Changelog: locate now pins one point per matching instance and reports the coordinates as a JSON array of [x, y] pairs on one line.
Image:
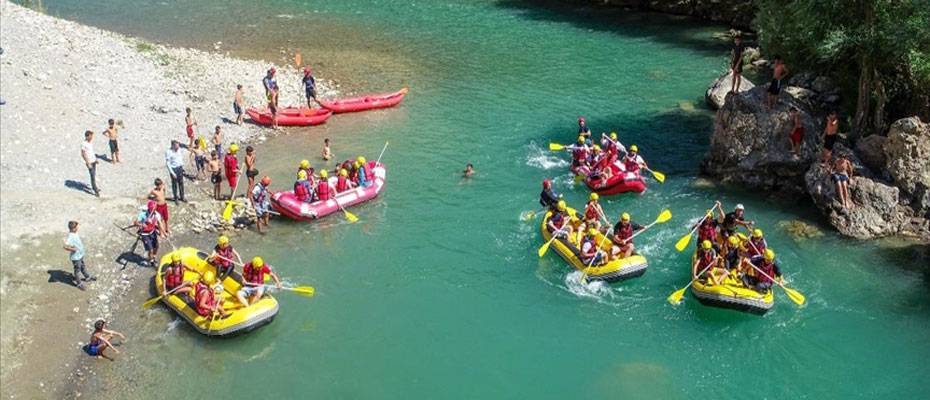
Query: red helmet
[[546, 184], [307, 71], [272, 71], [266, 180], [580, 119], [150, 205]]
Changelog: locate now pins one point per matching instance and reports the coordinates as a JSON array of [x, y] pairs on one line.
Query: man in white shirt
[[174, 160], [90, 159]]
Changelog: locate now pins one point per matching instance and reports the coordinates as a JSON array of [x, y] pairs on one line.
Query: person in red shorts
[[797, 132], [189, 122], [231, 168]]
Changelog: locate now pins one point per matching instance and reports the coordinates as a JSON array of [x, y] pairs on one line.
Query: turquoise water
[[438, 293]]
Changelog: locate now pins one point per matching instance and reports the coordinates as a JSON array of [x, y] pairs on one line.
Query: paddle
[[531, 215], [378, 161], [793, 294], [307, 291], [227, 213], [151, 302], [349, 216], [556, 147], [676, 296], [542, 250], [658, 175], [663, 217], [584, 275], [683, 242]]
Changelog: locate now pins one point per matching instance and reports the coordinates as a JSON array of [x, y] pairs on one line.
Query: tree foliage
[[878, 51]]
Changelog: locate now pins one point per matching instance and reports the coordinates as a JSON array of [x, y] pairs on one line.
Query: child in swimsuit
[[100, 340]]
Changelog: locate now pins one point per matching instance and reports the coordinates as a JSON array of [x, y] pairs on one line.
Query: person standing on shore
[[238, 102], [271, 93], [111, 133], [309, 86], [736, 64], [75, 248], [829, 137], [159, 194], [250, 171], [199, 153], [90, 160], [260, 197], [327, 153], [779, 71], [218, 141], [213, 166], [190, 122], [231, 168], [151, 226], [174, 160]]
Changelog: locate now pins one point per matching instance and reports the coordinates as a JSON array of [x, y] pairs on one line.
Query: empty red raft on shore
[[287, 204], [364, 103], [291, 116], [620, 181]]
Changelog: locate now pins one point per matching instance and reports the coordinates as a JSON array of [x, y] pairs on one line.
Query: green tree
[[878, 50]]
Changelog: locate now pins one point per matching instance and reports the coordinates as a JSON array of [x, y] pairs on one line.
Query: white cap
[[740, 206]]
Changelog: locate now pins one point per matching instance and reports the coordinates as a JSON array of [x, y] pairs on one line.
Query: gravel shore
[[58, 79]]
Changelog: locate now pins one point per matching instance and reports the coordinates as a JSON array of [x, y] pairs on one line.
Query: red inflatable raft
[[291, 116], [288, 205], [363, 103], [620, 181]]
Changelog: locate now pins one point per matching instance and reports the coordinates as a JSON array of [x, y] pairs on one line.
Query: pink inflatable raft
[[287, 204]]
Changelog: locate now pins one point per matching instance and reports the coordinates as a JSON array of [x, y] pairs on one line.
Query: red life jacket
[[707, 232], [769, 268], [226, 254], [603, 163], [300, 191], [706, 258], [760, 247], [231, 165], [592, 249], [323, 191], [590, 212], [625, 232], [342, 184], [174, 276], [204, 291], [580, 153], [558, 220], [630, 164], [150, 223], [253, 274]]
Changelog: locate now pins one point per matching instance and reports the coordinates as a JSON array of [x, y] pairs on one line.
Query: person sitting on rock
[[842, 172]]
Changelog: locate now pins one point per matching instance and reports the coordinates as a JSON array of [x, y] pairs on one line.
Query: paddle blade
[[795, 296], [555, 147], [676, 296], [307, 291], [528, 216], [542, 250], [664, 216], [683, 242], [349, 216], [150, 302], [659, 176], [227, 212], [579, 178]]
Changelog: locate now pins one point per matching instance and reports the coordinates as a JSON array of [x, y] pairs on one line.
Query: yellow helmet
[[223, 240], [597, 147], [176, 257], [634, 149], [580, 139], [741, 236], [710, 214], [360, 160], [562, 205], [258, 262], [324, 174], [625, 217], [707, 245], [613, 135], [757, 233], [594, 196], [769, 254], [343, 172], [734, 241], [592, 232], [233, 148], [209, 278], [301, 174], [304, 164]]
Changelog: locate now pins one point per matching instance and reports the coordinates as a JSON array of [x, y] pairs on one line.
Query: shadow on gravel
[[79, 186], [59, 276]]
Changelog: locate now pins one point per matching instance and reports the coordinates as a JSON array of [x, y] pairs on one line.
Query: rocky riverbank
[[750, 148], [60, 78], [736, 13]]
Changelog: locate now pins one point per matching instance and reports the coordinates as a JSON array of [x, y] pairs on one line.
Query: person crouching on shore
[[100, 340]]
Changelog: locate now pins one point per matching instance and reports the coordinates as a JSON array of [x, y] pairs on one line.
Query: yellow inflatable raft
[[733, 295], [242, 319], [613, 271]]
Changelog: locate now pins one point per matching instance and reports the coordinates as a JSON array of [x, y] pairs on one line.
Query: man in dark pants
[[174, 160], [75, 247], [90, 160]]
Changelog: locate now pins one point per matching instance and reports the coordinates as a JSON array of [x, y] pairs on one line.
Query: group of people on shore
[[599, 160]]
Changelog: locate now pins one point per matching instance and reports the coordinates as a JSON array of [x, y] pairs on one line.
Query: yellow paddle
[[530, 215], [683, 242], [556, 147], [227, 212], [658, 175], [676, 296], [542, 250], [349, 216], [307, 291], [151, 302], [793, 294]]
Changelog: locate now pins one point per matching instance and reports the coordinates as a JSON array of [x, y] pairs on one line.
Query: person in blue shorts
[[100, 340]]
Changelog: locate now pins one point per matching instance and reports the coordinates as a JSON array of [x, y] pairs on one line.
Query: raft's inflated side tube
[[732, 295], [292, 116], [241, 320], [613, 271], [620, 182], [287, 204], [364, 103]]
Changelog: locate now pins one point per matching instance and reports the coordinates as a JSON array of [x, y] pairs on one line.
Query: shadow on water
[[628, 23], [911, 258]]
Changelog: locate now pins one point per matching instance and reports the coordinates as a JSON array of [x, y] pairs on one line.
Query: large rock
[[870, 150], [907, 153], [875, 211], [750, 146], [717, 91]]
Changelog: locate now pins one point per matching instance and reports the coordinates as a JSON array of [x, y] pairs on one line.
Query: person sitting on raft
[[623, 231], [253, 281], [732, 255], [612, 146], [548, 198], [323, 190], [766, 264], [591, 254], [757, 243], [632, 162], [579, 157], [602, 164], [584, 131], [100, 340], [302, 189], [174, 277], [209, 297], [593, 212], [343, 183], [222, 257], [558, 220], [706, 257], [363, 178], [730, 221]]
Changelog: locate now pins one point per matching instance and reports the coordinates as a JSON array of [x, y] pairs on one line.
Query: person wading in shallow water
[[327, 153], [469, 171], [100, 340]]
